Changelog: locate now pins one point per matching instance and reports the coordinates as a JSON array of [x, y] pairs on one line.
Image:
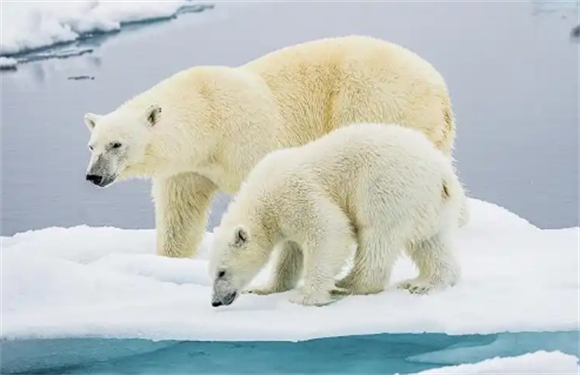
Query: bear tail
[[454, 199], [445, 195]]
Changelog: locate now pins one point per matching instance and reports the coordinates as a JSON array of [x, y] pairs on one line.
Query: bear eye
[[115, 145], [90, 147], [221, 274]]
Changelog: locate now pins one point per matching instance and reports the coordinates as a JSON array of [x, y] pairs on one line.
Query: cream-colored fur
[[384, 187], [204, 128]]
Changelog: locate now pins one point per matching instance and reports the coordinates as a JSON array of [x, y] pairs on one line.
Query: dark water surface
[[511, 67], [370, 354]]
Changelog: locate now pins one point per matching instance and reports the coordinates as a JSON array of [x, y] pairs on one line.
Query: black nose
[[216, 303], [94, 178]]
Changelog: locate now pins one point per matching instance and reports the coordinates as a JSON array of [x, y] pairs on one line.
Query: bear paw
[[417, 286], [344, 283], [311, 299], [262, 291], [338, 291], [349, 286]]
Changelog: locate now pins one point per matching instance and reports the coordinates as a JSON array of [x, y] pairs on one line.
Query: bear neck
[[265, 217]]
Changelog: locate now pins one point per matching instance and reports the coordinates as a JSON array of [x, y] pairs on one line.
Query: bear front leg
[[373, 262], [181, 210], [326, 250], [288, 267]]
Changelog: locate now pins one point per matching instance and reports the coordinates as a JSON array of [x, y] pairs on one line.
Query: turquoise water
[[369, 354]]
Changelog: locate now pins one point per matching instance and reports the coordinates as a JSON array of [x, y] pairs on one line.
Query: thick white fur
[[384, 187], [216, 122]]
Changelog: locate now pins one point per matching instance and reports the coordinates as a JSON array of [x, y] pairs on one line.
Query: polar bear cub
[[384, 187]]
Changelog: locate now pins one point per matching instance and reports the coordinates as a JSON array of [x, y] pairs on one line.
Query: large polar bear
[[384, 187], [204, 128]]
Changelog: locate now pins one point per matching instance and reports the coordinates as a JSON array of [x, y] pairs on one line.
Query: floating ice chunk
[[28, 25], [540, 362], [7, 63], [71, 282]]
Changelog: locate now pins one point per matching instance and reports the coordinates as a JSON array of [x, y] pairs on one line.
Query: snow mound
[[107, 282], [29, 25], [540, 362]]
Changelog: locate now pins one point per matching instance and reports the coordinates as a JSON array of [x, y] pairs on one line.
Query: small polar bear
[[384, 187]]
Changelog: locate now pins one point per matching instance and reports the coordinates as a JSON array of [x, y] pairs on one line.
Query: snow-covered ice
[[82, 281], [7, 63], [30, 25], [540, 362]]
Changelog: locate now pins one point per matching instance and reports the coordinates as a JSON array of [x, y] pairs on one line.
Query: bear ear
[[152, 115], [91, 120], [241, 236]]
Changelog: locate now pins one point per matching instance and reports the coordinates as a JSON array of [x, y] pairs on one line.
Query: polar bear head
[[119, 142], [239, 253]]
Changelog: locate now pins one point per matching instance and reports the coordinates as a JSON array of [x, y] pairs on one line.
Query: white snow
[[33, 24], [83, 281], [7, 62], [540, 362]]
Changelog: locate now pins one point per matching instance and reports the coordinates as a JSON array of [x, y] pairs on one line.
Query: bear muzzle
[[225, 300], [99, 180]]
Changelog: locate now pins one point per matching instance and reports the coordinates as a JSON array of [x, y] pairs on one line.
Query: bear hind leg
[[464, 213], [438, 267], [373, 263], [287, 270]]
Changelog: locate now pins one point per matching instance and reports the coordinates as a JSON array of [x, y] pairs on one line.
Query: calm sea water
[[370, 354], [511, 67]]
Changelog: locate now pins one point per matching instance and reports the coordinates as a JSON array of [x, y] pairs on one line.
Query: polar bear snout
[[95, 179], [225, 301], [224, 293], [102, 171], [100, 180]]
